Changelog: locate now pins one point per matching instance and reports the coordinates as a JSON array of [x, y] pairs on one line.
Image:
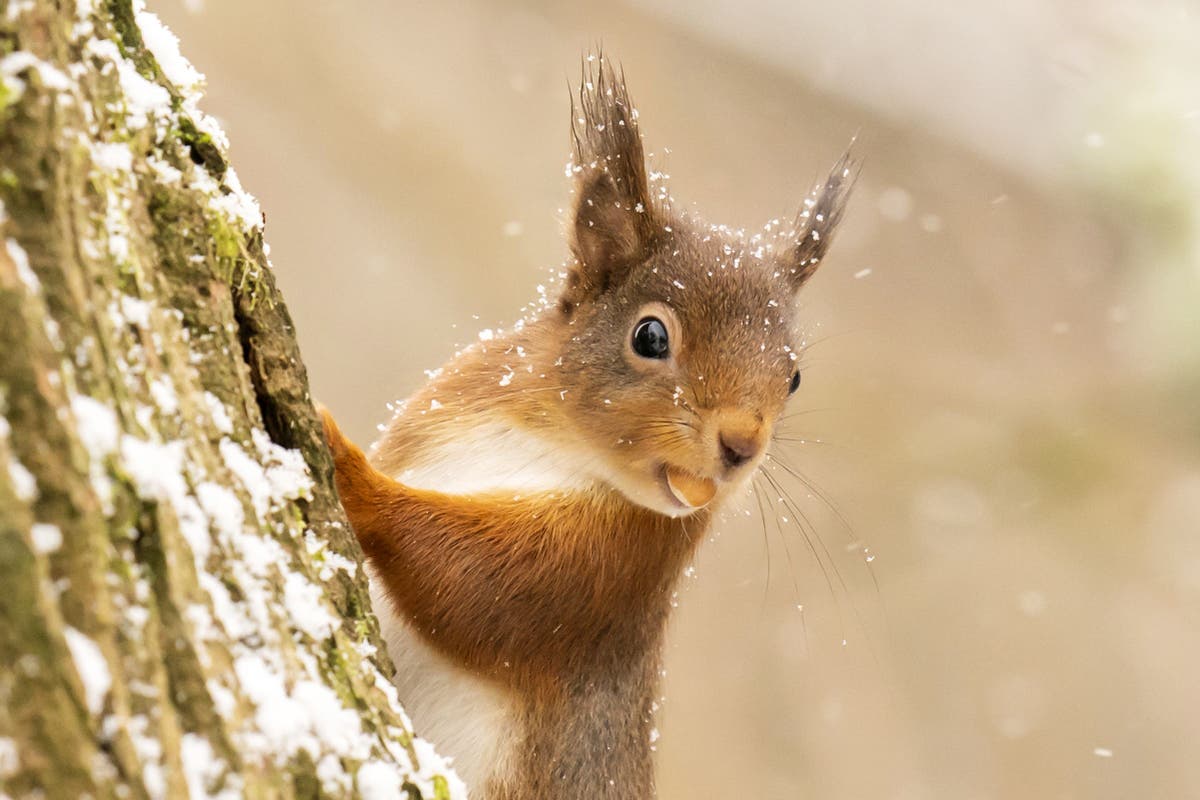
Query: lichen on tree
[[183, 610]]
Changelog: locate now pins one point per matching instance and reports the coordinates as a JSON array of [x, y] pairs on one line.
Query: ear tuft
[[614, 221], [818, 220]]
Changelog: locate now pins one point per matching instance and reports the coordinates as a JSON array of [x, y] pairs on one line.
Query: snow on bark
[[183, 611]]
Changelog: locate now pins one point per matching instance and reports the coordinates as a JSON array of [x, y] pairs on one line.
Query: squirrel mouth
[[688, 490]]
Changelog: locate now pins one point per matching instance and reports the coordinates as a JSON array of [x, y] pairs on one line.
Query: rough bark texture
[[182, 608]]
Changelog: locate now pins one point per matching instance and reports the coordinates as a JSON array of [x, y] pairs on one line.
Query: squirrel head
[[679, 340]]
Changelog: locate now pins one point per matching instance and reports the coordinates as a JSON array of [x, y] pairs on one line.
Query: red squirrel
[[528, 511]]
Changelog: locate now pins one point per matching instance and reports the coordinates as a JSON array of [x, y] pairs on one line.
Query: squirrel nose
[[737, 448]]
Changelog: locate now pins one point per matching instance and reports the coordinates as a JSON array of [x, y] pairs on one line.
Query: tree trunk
[[183, 609]]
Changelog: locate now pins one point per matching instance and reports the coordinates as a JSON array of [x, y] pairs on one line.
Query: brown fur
[[561, 598]]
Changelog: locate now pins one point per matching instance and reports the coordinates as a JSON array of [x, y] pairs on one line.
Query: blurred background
[[1002, 404]]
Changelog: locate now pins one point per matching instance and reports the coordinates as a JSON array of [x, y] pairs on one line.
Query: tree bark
[[183, 610]]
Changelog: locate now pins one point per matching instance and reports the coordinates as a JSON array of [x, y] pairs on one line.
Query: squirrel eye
[[650, 338], [795, 382]]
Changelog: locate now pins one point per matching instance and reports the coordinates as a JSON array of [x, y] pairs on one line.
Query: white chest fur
[[493, 456], [465, 717]]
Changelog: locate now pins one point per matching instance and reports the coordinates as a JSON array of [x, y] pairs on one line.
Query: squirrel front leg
[[469, 572]]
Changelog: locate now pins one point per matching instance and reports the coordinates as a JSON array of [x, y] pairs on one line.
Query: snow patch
[[222, 507], [238, 204], [427, 755], [46, 538], [92, 668], [164, 46], [333, 777], [311, 717], [97, 426], [145, 101], [117, 158], [150, 753], [156, 469], [223, 699], [21, 259], [24, 484], [202, 768], [250, 473], [280, 474], [18, 8], [135, 310], [163, 392], [9, 760], [164, 171], [305, 607], [21, 60], [378, 781], [326, 559], [216, 410], [286, 472]]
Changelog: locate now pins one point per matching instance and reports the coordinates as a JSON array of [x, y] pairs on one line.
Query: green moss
[[8, 180], [233, 262], [335, 671], [179, 229], [129, 34], [203, 149], [7, 98], [356, 609], [304, 781], [227, 244]]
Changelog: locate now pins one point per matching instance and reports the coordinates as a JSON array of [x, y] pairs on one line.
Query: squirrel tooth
[[689, 489]]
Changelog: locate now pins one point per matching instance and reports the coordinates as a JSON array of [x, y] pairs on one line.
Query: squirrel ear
[[819, 218], [614, 220]]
